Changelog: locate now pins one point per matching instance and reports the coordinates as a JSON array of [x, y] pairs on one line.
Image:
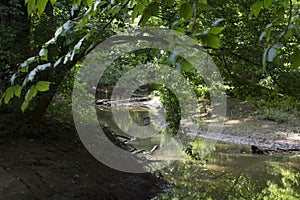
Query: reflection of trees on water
[[225, 173], [194, 181]]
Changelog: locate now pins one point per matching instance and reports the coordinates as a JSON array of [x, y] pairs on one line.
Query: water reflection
[[229, 172]]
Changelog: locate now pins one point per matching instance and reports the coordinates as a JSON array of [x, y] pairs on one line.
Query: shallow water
[[229, 171]]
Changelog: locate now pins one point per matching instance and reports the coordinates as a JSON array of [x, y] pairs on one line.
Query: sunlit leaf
[[135, 12], [51, 41], [43, 54], [17, 90], [43, 86], [9, 94], [67, 25], [216, 30], [31, 93], [89, 3], [187, 67], [57, 62], [217, 22], [30, 6], [211, 41], [31, 60], [24, 106], [41, 5], [43, 67], [58, 32], [25, 81], [272, 54], [31, 75], [12, 79], [24, 64], [78, 45]]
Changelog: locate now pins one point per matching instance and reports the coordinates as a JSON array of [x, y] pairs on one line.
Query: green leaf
[[78, 45], [43, 67], [216, 30], [58, 32], [32, 74], [43, 54], [31, 60], [135, 12], [53, 1], [151, 10], [268, 34], [24, 106], [264, 59], [57, 62], [256, 8], [179, 29], [217, 22], [24, 64], [296, 59], [12, 79], [31, 93], [203, 1], [267, 3], [68, 25], [186, 11], [211, 40], [9, 94], [89, 3], [43, 86], [17, 90], [31, 5], [187, 67], [41, 5]]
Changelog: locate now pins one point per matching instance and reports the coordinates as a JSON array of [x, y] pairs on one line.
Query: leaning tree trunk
[[44, 99]]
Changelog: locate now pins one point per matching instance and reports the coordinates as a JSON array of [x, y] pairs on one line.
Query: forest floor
[[50, 162]]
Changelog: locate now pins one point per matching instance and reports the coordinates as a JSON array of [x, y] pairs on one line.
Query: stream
[[228, 171]]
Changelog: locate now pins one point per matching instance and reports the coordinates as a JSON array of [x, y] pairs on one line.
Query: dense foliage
[[254, 43]]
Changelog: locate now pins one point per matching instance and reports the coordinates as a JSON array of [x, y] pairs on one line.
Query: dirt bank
[[245, 124], [49, 162]]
